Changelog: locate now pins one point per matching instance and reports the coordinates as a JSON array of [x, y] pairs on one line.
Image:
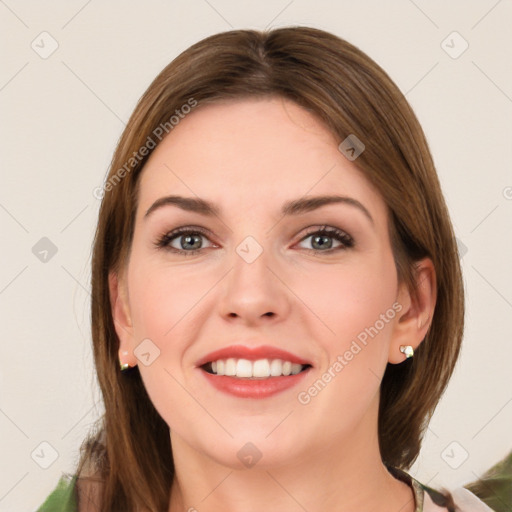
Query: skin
[[249, 157]]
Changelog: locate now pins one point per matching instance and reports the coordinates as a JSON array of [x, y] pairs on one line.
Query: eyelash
[[164, 241]]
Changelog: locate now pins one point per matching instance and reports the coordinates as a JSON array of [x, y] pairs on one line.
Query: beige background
[[62, 115]]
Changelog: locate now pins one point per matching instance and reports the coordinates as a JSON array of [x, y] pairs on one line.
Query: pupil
[[320, 240]]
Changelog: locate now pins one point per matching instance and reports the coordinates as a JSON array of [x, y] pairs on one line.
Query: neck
[[346, 475]]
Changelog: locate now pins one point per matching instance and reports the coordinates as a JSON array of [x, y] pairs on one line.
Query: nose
[[253, 292]]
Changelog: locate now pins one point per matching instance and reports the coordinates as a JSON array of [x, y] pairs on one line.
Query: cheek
[[161, 296], [161, 299], [353, 305]]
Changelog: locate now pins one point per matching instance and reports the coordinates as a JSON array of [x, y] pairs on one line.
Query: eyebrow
[[295, 207]]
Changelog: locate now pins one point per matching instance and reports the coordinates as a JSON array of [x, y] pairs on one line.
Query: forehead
[[253, 154]]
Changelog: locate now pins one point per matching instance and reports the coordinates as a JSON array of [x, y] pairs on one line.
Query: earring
[[407, 350], [125, 366]]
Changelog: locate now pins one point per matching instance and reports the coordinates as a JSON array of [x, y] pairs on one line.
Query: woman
[[276, 275]]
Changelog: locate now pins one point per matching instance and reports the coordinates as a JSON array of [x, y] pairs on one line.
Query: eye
[[322, 239], [183, 240], [189, 240]]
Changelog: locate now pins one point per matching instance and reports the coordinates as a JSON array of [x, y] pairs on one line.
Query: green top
[[495, 487], [64, 499]]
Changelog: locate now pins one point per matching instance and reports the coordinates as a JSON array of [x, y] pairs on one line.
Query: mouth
[[259, 369], [253, 372]]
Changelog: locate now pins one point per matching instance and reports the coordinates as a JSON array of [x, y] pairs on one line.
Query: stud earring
[[125, 366], [407, 350]]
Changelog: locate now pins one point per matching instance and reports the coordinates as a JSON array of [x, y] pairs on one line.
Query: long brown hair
[[130, 453]]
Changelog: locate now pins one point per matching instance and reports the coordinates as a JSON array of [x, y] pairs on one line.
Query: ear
[[122, 318], [416, 315]]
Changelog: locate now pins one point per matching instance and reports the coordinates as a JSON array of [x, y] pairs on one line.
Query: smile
[[253, 372]]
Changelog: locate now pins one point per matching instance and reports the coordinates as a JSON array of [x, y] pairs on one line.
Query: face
[[318, 283]]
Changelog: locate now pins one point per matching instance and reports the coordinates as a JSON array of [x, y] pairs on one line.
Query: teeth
[[276, 367], [262, 368], [296, 368], [243, 368], [230, 367]]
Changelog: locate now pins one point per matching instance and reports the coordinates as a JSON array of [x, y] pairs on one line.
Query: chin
[[256, 449]]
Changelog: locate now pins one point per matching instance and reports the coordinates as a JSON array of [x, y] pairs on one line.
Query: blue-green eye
[[321, 239], [189, 240]]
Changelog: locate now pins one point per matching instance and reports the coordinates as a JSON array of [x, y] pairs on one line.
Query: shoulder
[[495, 486], [467, 501], [62, 498], [457, 500], [429, 499]]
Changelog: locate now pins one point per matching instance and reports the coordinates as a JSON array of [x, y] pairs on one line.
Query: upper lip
[[252, 354]]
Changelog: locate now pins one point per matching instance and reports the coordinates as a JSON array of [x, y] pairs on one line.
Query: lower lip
[[253, 388]]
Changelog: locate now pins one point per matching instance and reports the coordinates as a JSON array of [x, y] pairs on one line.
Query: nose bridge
[[251, 274], [251, 258], [252, 290]]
